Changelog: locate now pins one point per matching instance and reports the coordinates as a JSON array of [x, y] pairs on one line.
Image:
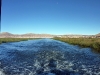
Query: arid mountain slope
[[28, 35]]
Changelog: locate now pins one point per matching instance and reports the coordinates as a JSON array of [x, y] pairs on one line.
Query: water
[[47, 57]]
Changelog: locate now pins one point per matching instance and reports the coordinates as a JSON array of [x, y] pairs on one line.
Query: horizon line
[[47, 33]]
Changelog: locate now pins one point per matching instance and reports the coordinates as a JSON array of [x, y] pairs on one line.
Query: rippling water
[[47, 57]]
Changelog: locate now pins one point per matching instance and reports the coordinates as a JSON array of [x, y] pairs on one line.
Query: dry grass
[[5, 40], [93, 43]]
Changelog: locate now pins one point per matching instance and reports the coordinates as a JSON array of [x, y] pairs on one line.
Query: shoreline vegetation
[[93, 43], [6, 40]]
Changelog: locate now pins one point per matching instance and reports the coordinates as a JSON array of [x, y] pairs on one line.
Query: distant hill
[[98, 34], [5, 34], [33, 35], [28, 35]]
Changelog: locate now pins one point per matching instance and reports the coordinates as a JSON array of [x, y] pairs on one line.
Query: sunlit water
[[47, 57]]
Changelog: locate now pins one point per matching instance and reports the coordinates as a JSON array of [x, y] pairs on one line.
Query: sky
[[51, 16]]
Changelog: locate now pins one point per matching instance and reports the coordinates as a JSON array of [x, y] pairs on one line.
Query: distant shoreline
[[32, 35]]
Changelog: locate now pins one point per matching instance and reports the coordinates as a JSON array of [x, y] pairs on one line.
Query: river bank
[[6, 40], [93, 43]]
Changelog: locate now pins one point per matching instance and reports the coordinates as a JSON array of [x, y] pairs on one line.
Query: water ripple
[[47, 57]]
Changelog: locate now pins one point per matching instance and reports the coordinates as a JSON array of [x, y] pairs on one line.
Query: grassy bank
[[5, 40], [93, 43]]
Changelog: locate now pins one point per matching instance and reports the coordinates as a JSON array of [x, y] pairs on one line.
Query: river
[[47, 57]]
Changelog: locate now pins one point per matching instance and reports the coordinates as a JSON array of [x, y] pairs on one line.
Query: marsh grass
[[5, 40], [93, 43]]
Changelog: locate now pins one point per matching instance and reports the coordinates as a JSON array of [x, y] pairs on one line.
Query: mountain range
[[28, 35], [33, 35]]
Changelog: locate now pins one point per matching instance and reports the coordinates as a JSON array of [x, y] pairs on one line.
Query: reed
[[5, 40], [93, 43]]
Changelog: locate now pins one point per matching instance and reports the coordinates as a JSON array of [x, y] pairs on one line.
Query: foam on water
[[45, 56]]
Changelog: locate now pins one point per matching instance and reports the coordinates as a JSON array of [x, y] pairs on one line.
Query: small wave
[[47, 57]]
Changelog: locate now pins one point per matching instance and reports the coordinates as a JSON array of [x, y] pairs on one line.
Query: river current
[[47, 57]]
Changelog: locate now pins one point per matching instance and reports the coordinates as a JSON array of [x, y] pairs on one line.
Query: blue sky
[[51, 16]]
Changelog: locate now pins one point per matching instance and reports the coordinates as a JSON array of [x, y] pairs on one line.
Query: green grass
[[93, 43], [5, 40]]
